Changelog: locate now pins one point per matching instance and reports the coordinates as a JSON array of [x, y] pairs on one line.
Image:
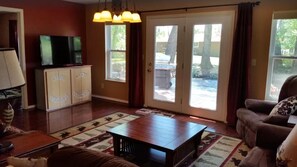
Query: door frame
[[22, 56], [227, 18], [177, 19], [226, 49]]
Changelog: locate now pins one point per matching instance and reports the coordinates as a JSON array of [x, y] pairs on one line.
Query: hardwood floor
[[53, 121]]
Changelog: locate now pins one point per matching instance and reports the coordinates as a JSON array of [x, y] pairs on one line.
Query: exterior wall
[[52, 17]]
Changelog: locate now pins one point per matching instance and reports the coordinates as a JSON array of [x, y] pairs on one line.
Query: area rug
[[146, 111], [214, 150]]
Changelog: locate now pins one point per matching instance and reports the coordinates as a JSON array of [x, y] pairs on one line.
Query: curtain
[[240, 63], [136, 95]]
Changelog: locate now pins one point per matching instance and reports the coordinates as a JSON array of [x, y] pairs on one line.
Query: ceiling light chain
[[125, 16]]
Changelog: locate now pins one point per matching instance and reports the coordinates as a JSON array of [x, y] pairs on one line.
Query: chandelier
[[116, 16]]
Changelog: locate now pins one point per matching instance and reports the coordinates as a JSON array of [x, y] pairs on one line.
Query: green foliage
[[118, 37], [286, 35]]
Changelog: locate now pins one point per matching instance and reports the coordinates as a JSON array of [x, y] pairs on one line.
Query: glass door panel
[[165, 63], [205, 65]]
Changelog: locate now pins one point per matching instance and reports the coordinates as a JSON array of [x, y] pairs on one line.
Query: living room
[[75, 19]]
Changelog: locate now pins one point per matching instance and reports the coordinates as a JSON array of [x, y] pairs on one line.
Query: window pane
[[118, 37], [282, 69], [205, 65], [165, 63], [283, 53], [285, 37], [115, 38], [118, 66]]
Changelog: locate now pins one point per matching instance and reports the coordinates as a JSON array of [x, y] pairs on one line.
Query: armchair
[[264, 153], [256, 113]]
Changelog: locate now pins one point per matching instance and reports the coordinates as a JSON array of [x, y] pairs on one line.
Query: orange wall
[[96, 58], [260, 42], [52, 17]]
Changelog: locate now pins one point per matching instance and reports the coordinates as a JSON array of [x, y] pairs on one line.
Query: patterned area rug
[[146, 111], [214, 150]]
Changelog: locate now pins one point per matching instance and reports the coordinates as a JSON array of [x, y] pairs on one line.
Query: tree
[[206, 65], [171, 44]]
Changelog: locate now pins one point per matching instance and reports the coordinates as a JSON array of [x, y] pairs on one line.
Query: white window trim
[[108, 53], [276, 15]]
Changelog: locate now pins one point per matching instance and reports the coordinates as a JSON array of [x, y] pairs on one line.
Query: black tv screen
[[60, 50]]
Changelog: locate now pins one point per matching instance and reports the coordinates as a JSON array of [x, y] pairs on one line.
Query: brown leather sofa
[[78, 157], [256, 113], [269, 137]]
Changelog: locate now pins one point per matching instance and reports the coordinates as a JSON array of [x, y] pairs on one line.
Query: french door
[[187, 63]]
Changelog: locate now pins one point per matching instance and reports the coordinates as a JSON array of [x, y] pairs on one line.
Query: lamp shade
[[126, 16], [136, 18], [97, 17], [11, 75]]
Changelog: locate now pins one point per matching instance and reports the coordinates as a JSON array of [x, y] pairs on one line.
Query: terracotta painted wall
[[260, 47], [52, 17]]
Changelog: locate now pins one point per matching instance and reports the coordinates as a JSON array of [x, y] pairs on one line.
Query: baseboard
[[110, 99]]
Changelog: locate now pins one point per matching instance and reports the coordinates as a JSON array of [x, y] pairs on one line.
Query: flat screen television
[[60, 50]]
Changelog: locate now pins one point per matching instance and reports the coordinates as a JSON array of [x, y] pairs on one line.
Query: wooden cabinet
[[62, 87], [81, 84]]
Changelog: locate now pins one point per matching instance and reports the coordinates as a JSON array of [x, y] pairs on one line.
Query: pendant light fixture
[[124, 16]]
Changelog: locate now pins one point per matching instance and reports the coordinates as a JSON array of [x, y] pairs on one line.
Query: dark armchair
[[256, 113], [264, 153]]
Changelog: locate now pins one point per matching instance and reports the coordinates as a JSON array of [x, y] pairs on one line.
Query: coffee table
[[30, 144], [178, 139]]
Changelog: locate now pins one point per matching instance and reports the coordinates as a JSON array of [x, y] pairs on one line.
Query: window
[[283, 52], [115, 43]]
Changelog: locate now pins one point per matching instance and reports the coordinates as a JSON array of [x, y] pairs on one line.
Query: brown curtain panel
[[241, 55], [136, 95]]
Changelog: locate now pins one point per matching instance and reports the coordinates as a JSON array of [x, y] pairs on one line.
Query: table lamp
[[11, 76]]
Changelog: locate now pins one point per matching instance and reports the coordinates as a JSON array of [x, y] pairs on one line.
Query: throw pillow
[[286, 153], [285, 107], [27, 162]]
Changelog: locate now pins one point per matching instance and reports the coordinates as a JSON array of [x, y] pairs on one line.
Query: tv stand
[[62, 87]]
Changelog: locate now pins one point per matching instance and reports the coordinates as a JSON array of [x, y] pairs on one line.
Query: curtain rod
[[196, 7]]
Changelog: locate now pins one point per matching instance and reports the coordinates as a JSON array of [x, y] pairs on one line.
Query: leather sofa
[[256, 113], [77, 157]]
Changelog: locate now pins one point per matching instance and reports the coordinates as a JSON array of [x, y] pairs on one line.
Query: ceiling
[[87, 1]]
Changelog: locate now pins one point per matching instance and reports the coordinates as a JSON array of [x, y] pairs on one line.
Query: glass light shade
[[97, 17], [127, 16], [117, 19], [135, 18], [10, 70], [106, 15]]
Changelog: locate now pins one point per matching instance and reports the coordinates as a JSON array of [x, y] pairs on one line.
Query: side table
[[29, 144], [292, 120]]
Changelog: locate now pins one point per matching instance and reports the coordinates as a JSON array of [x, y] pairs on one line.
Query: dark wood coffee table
[[178, 139], [30, 144]]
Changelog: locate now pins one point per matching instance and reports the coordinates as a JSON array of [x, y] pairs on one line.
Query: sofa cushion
[[259, 157], [285, 107], [287, 151], [280, 120], [74, 156], [27, 162]]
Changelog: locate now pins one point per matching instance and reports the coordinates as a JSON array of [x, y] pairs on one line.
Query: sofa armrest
[[271, 136], [79, 157], [259, 105]]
